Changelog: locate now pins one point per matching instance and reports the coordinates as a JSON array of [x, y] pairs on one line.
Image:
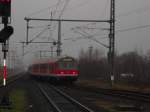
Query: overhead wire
[[56, 5], [84, 26], [79, 5], [74, 39], [106, 5], [56, 8], [87, 36], [53, 13], [135, 11], [133, 28], [37, 12], [38, 35], [42, 10], [64, 8], [95, 39], [36, 27], [61, 13], [138, 10], [117, 31]]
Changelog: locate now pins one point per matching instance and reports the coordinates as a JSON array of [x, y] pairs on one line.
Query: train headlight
[[62, 72]]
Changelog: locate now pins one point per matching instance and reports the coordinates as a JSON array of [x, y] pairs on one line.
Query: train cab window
[[71, 65], [67, 65]]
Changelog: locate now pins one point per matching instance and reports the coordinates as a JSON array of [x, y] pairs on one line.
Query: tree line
[[131, 67]]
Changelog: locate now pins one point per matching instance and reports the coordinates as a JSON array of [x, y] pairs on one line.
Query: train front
[[67, 69]]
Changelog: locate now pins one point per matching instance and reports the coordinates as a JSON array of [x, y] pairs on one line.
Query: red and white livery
[[60, 68]]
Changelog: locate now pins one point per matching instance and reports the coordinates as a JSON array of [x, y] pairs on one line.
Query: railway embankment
[[97, 83], [18, 100]]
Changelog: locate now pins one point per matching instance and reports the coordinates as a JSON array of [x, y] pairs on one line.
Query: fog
[[129, 14]]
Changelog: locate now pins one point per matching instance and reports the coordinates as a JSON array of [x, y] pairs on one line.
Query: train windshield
[[67, 65]]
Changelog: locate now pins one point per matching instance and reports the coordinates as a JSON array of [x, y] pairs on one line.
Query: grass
[[19, 102], [106, 106]]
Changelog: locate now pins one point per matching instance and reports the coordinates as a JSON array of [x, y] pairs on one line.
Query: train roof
[[51, 60]]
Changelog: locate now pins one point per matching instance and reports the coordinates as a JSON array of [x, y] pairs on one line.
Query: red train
[[60, 68]]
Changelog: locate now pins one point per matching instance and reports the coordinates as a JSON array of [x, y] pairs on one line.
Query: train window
[[43, 67], [35, 67], [72, 65], [67, 65]]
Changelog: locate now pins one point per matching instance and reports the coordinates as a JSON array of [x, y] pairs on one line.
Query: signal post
[[5, 33]]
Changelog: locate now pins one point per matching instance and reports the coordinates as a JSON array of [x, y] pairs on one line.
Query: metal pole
[[59, 39], [4, 70], [4, 65], [23, 49], [51, 51], [5, 20], [112, 41], [27, 35], [50, 36]]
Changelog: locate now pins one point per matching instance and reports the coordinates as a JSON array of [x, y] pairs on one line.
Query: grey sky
[[129, 14]]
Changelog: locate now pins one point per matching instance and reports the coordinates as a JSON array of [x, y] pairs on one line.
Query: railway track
[[131, 95], [128, 94], [60, 101], [11, 80]]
